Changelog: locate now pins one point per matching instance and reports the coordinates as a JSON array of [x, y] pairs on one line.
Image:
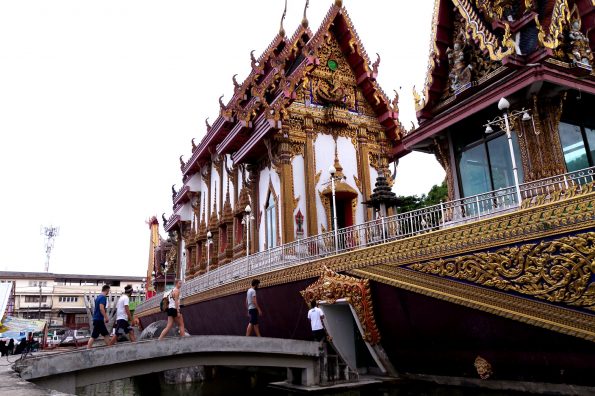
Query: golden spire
[[337, 164], [305, 18], [281, 30], [338, 3]]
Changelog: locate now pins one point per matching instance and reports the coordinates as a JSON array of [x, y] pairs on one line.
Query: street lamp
[[506, 118], [246, 221], [332, 171], [209, 243]]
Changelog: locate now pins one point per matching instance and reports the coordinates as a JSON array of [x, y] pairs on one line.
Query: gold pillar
[[286, 175], [541, 152], [309, 178], [364, 171]]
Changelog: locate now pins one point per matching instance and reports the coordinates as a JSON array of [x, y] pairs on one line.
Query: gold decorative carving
[[560, 18], [332, 286], [558, 271], [483, 367]]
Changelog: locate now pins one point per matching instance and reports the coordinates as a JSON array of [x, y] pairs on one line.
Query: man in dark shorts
[[315, 315], [123, 317], [100, 318], [173, 311], [253, 308]]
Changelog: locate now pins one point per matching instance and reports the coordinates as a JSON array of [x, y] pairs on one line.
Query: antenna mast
[[50, 233]]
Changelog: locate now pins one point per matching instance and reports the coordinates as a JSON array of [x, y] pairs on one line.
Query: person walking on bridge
[[100, 318], [254, 310], [173, 311], [123, 317]]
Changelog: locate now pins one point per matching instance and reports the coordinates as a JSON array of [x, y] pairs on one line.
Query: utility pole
[[50, 233]]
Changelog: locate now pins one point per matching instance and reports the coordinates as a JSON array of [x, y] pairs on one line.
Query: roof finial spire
[[281, 29], [338, 3], [305, 18]]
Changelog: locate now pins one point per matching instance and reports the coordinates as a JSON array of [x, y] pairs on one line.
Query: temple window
[[484, 163], [222, 238], [578, 145], [239, 230], [271, 222]]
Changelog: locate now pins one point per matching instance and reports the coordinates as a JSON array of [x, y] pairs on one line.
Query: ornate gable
[[473, 39]]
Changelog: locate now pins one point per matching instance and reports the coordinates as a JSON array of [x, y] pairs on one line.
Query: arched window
[[271, 221]]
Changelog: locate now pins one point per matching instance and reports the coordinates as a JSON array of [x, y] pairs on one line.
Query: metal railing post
[[478, 208]]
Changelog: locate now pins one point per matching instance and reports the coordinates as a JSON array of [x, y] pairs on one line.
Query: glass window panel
[[474, 171], [590, 132], [573, 147], [501, 163]]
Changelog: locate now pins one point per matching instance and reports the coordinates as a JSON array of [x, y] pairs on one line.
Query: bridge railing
[[385, 229]]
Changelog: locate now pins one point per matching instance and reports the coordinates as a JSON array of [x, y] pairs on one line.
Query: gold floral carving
[[558, 271], [332, 286]]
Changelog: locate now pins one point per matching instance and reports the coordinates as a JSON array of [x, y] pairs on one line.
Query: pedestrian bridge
[[67, 371]]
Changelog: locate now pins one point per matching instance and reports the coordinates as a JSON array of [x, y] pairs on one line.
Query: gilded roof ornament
[[281, 29], [560, 18], [376, 64], [253, 61], [305, 18], [221, 104], [193, 144], [207, 119], [236, 85], [339, 3], [395, 102]]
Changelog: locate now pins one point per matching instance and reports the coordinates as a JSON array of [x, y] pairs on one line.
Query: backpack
[[164, 304]]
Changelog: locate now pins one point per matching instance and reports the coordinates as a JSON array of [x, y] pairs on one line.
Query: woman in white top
[[173, 311]]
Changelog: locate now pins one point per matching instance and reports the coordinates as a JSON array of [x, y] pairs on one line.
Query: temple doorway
[[345, 213]]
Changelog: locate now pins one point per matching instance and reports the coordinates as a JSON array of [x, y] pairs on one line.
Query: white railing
[[381, 230]]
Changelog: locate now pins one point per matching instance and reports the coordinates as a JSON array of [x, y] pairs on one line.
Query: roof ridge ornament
[[305, 18], [207, 122], [221, 105], [339, 3], [236, 85], [281, 29]]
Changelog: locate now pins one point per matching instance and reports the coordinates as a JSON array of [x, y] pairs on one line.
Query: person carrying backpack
[[173, 311]]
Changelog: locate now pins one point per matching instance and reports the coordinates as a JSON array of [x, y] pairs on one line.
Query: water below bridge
[[223, 381]]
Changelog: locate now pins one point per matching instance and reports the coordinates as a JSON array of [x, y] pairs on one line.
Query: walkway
[[67, 371]]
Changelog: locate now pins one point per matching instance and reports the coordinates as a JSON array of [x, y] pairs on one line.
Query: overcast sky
[[99, 99]]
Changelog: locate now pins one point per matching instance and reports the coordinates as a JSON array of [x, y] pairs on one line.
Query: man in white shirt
[[315, 315], [253, 308], [123, 317]]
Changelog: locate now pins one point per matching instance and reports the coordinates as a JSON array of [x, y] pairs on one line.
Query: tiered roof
[[259, 103]]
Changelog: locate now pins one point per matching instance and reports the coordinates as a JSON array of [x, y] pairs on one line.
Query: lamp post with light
[[209, 243], [332, 172], [246, 222], [506, 118]]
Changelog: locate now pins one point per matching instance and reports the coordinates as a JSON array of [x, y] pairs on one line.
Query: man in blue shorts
[[100, 318]]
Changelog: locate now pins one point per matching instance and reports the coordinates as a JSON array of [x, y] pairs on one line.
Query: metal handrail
[[382, 230]]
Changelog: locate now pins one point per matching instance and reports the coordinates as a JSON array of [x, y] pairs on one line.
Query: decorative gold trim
[[536, 313], [557, 271], [332, 286]]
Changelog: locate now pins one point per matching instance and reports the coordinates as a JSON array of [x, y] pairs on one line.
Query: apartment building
[[60, 298]]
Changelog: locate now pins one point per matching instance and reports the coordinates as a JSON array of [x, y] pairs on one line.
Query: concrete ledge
[[69, 370], [13, 385]]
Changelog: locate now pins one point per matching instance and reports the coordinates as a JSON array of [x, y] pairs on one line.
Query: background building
[[59, 298]]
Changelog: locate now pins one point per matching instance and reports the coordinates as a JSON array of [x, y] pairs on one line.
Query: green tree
[[436, 194]]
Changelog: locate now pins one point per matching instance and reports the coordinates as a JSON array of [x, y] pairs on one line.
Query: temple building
[[259, 178], [536, 54], [496, 281]]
